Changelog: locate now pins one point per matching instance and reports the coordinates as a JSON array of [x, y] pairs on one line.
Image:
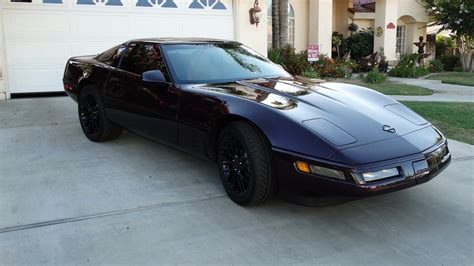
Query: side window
[[142, 57], [112, 56]]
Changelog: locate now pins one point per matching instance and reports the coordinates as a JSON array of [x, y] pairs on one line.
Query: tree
[[353, 28], [283, 22], [458, 17], [275, 25], [280, 19], [336, 42]]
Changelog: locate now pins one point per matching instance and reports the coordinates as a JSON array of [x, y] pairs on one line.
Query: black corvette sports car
[[267, 131]]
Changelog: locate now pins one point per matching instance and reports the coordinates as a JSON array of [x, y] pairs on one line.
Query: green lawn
[[455, 120], [398, 89], [460, 78]]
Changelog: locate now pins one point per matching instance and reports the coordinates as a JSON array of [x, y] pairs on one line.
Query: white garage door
[[41, 35]]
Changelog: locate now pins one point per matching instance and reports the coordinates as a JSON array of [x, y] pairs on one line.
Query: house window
[[401, 39], [21, 1], [291, 26]]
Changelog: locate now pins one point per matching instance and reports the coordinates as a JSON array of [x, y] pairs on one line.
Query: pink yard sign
[[313, 53]]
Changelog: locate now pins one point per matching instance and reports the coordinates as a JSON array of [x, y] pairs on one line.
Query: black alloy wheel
[[235, 165], [94, 122], [89, 114], [244, 163]]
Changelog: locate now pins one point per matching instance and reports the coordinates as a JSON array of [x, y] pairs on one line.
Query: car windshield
[[217, 62]]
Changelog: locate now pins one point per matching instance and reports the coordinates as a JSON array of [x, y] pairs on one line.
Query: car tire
[[245, 164], [93, 120]]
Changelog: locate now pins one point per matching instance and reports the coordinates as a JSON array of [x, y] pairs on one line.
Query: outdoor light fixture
[[255, 13]]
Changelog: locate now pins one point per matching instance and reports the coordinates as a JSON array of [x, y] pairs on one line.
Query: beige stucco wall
[[320, 25], [341, 17], [384, 14], [364, 23], [412, 8], [413, 31], [246, 33], [413, 16], [301, 8]]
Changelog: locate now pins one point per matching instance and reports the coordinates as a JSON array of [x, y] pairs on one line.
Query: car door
[[147, 108]]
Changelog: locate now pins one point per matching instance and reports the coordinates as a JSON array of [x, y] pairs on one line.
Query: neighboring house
[[37, 36]]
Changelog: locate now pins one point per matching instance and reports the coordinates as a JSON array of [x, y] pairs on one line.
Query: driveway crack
[[105, 214]]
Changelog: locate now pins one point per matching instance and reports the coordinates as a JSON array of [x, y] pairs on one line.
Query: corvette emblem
[[389, 129]]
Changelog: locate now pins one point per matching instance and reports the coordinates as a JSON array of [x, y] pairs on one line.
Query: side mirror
[[153, 76]]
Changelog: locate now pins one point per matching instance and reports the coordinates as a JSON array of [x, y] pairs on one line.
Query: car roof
[[182, 40]]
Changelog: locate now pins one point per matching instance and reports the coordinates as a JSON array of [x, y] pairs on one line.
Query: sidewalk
[[436, 97], [442, 92]]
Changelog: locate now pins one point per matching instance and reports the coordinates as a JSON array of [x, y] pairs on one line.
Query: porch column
[[320, 25], [386, 12]]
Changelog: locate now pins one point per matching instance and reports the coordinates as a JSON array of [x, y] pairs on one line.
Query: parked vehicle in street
[[266, 130]]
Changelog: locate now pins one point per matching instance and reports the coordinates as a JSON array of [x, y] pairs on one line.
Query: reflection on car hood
[[359, 114]]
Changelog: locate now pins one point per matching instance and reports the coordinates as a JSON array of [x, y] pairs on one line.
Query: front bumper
[[294, 185]]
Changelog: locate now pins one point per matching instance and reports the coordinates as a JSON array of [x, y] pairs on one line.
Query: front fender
[[275, 116]]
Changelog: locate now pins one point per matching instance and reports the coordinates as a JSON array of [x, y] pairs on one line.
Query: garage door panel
[[23, 52], [148, 26], [88, 27], [27, 25], [91, 48], [36, 79], [39, 42]]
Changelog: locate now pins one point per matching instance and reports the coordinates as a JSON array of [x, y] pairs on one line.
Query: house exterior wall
[[320, 25], [246, 33], [301, 8], [412, 8], [364, 23], [341, 17]]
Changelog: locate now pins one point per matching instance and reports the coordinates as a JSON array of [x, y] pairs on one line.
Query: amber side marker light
[[302, 166]]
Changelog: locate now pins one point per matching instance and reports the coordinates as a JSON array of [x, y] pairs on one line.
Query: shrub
[[311, 73], [458, 68], [408, 60], [294, 63], [407, 68], [353, 27], [361, 43], [375, 77], [436, 65], [339, 45], [274, 55], [343, 69], [297, 64], [450, 62], [444, 45], [325, 66], [408, 72]]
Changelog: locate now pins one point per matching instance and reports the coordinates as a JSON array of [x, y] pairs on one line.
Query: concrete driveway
[[64, 199]]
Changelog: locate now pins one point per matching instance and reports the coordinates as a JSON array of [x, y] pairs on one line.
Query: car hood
[[343, 114]]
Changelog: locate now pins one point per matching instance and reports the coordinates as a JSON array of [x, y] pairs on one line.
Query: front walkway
[[66, 200], [442, 92]]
